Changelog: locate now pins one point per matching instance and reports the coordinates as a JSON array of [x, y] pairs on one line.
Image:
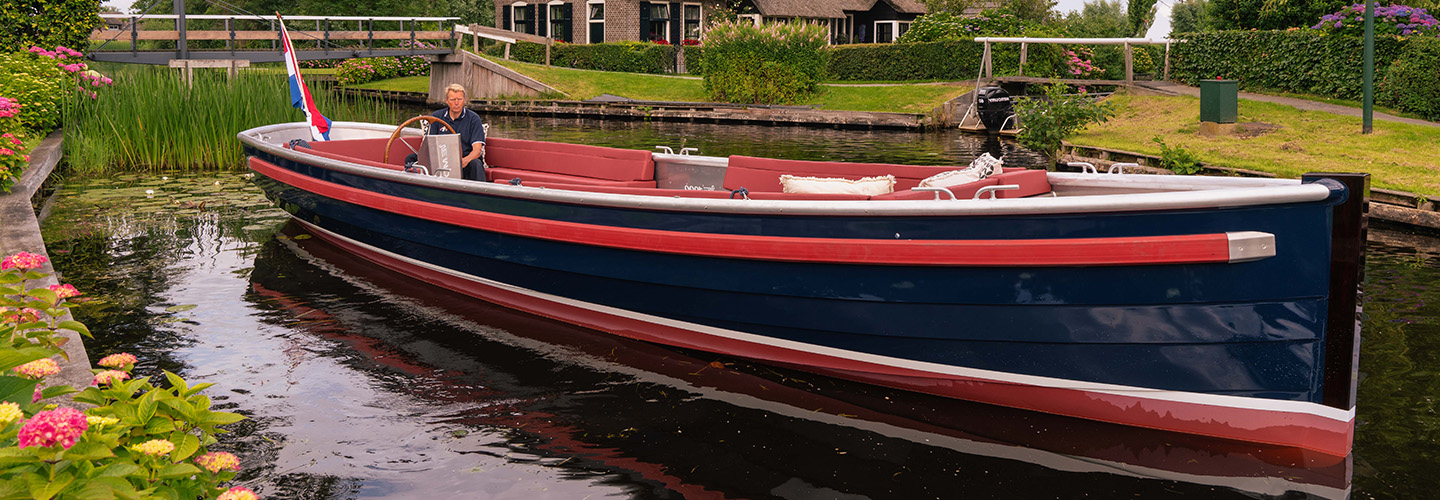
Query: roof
[[830, 9]]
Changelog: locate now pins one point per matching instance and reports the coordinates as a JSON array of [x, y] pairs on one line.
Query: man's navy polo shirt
[[469, 126]]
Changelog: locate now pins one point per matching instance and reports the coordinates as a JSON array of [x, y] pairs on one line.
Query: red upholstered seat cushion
[[350, 159], [372, 149], [1031, 182], [575, 160], [763, 174], [681, 193]]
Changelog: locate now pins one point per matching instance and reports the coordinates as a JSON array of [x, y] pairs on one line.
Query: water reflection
[[362, 384]]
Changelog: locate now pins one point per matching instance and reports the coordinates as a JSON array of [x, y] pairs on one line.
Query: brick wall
[[622, 17]]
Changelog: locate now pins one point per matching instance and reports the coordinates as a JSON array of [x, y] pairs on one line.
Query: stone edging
[[20, 231]]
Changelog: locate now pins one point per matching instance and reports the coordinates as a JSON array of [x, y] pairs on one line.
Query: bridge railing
[[1025, 42], [329, 32]]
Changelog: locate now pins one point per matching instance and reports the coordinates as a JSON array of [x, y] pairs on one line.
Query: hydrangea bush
[[1389, 20], [135, 440], [35, 86], [365, 70]]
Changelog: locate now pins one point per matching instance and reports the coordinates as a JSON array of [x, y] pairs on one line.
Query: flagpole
[[1369, 88]]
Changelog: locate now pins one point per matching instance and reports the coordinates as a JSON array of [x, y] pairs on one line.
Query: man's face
[[456, 101]]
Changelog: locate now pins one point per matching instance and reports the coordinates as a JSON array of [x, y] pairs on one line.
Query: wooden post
[[1024, 47], [475, 41], [1129, 64], [985, 62], [1167, 61], [507, 52], [547, 53]]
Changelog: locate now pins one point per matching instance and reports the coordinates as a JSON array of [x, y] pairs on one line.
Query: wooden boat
[[1222, 307]]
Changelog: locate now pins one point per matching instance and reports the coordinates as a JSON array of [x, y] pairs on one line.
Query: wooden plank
[[524, 37], [209, 63], [297, 36]]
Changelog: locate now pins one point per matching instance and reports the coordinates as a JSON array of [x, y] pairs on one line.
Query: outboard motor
[[994, 106]]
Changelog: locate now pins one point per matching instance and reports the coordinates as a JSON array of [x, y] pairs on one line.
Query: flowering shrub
[[1389, 20], [1079, 64], [775, 63], [358, 71], [690, 42], [137, 440], [48, 22]]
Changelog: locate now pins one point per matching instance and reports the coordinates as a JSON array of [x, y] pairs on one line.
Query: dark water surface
[[360, 383]]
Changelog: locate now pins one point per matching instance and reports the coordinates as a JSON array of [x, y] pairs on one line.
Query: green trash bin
[[1217, 101]]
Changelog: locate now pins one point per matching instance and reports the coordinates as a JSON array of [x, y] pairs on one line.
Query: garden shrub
[[1177, 159], [1412, 82], [138, 440], [1392, 19], [47, 23], [1046, 121], [365, 70], [775, 63]]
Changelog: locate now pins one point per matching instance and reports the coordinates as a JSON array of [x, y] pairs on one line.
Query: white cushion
[[869, 186], [982, 167]]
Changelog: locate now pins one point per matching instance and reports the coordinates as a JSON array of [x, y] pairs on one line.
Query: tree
[[956, 7], [1042, 11], [1141, 14], [1098, 19], [1190, 16], [47, 24], [1272, 14]]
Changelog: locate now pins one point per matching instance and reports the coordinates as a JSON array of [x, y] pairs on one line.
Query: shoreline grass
[[150, 120], [1397, 155]]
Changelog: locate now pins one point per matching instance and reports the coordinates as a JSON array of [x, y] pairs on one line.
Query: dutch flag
[[299, 94]]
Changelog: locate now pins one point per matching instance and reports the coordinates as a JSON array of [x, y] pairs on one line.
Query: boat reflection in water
[[705, 426]]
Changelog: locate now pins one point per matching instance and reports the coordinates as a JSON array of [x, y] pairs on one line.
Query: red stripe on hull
[[1288, 429], [1139, 250]]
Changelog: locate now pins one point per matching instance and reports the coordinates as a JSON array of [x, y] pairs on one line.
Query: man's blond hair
[[455, 87]]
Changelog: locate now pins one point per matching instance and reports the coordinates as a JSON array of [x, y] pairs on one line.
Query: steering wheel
[[402, 126]]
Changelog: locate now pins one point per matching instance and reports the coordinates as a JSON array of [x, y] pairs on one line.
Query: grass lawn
[[581, 85], [1397, 155], [402, 84]]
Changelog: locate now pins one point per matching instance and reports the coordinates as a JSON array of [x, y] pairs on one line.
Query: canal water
[[359, 383]]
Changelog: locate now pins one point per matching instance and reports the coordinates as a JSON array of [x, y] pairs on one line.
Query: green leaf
[[16, 455], [57, 391], [160, 426], [75, 326], [42, 488], [145, 408], [181, 308], [185, 445], [177, 471], [87, 450], [176, 382], [18, 390], [197, 388], [218, 418], [118, 469], [91, 395], [12, 358], [44, 294]]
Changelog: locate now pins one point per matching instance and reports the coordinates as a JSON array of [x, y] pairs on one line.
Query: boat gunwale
[[1188, 193]]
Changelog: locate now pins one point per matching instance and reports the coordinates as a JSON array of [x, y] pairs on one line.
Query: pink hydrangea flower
[[49, 428], [64, 291], [217, 461], [23, 260], [39, 368], [110, 377], [120, 360], [238, 493], [37, 396]]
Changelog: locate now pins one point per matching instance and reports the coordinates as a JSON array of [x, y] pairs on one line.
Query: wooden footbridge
[[159, 39]]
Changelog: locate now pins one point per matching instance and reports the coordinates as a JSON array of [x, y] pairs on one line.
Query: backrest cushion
[[570, 159]]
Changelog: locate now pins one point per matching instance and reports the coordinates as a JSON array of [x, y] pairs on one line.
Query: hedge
[[1290, 61], [944, 60], [1412, 81], [628, 57]]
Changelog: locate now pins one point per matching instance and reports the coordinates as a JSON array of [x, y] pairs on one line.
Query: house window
[[889, 31], [692, 21], [595, 13], [659, 28], [522, 14], [560, 21], [753, 19]]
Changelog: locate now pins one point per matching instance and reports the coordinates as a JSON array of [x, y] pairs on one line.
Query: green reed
[[151, 120]]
